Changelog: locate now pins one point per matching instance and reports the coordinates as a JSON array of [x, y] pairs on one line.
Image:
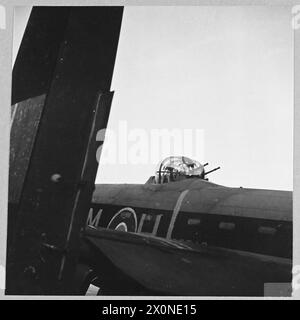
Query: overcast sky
[[225, 70]]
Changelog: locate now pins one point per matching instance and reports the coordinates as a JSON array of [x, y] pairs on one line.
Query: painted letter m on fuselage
[[93, 220]]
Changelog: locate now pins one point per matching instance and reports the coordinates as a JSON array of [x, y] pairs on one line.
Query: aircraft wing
[[175, 268]]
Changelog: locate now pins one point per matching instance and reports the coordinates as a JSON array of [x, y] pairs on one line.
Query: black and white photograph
[[151, 151]]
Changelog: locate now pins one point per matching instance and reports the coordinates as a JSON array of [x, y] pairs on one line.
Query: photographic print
[[151, 151]]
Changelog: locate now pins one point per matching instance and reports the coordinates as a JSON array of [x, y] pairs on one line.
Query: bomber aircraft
[[180, 234]]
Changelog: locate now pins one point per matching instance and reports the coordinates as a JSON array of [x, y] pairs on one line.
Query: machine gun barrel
[[211, 170]]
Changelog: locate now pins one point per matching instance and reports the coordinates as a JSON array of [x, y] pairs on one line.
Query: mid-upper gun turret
[[178, 168]]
